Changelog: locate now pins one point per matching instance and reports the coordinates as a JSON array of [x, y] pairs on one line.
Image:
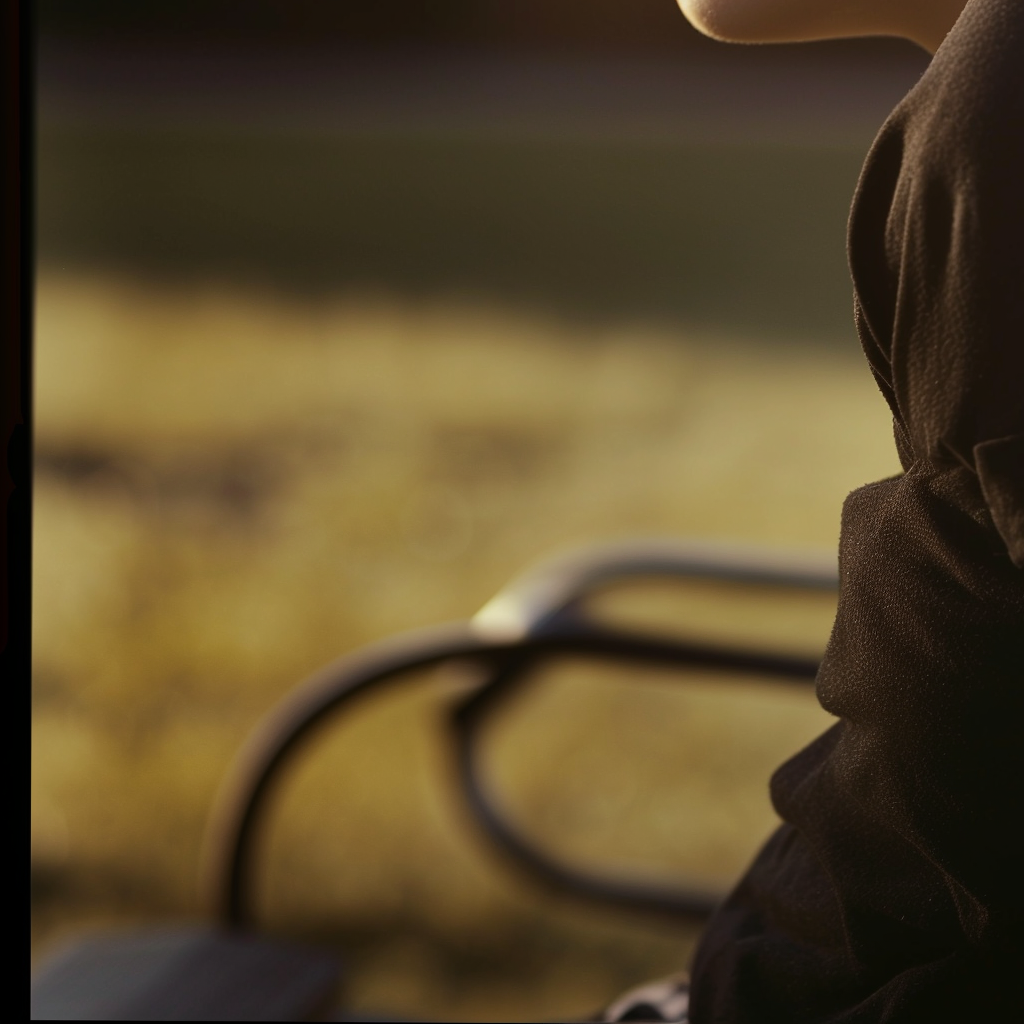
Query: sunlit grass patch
[[233, 488]]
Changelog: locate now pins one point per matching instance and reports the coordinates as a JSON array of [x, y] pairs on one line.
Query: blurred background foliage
[[347, 312]]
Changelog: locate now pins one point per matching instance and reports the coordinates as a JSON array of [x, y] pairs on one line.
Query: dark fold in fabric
[[894, 890]]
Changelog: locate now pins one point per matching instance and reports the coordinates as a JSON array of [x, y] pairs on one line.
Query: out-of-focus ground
[[301, 385]]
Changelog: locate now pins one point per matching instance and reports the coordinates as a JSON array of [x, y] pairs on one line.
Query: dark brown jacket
[[894, 890]]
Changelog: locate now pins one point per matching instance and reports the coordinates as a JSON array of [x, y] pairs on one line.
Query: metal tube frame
[[538, 616]]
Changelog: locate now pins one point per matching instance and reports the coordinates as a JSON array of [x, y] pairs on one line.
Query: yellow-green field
[[233, 487]]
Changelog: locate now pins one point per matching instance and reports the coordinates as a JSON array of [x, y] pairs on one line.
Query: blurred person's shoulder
[[956, 140]]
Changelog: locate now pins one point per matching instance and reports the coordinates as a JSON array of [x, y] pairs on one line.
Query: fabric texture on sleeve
[[937, 250], [1000, 466]]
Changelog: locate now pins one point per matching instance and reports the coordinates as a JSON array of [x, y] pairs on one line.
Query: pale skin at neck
[[926, 22]]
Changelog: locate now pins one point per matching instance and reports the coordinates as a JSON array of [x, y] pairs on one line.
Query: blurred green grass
[[289, 402]]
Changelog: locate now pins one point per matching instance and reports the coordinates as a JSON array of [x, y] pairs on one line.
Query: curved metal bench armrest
[[557, 583], [229, 855], [547, 599], [227, 858], [535, 619]]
